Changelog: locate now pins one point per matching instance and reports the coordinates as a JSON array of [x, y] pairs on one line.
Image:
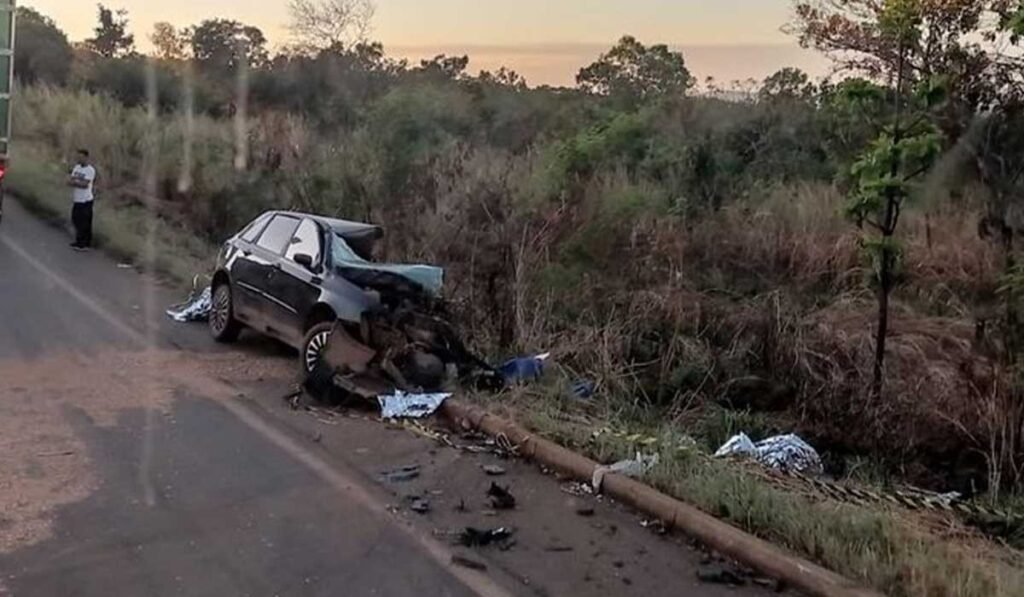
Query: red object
[[3, 169]]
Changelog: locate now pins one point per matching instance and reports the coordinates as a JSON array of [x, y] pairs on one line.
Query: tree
[[112, 39], [906, 147], [952, 41], [787, 84], [504, 77], [168, 42], [222, 45], [43, 53], [322, 24], [633, 73], [444, 67], [997, 148]]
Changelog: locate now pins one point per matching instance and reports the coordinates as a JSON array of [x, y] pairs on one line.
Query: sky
[[545, 40]]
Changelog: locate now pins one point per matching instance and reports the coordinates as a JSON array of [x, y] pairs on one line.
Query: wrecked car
[[369, 328]]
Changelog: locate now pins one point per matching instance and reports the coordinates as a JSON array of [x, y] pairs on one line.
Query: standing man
[[81, 180]]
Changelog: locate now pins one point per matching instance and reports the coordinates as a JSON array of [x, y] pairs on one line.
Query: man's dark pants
[[81, 217]]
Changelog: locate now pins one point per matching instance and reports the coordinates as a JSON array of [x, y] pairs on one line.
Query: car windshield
[[430, 278]]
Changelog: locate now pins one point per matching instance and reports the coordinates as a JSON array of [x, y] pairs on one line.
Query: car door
[[245, 273], [264, 264], [296, 287]]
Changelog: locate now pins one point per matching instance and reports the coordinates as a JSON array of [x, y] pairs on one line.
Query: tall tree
[[112, 39], [632, 72], [322, 24], [954, 40], [906, 147], [222, 44], [168, 42], [43, 53]]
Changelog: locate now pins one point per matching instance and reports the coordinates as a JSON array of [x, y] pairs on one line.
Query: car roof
[[345, 228]]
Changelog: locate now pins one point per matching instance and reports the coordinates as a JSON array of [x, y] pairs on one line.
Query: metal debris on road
[[294, 399], [635, 467], [473, 537], [720, 574], [400, 475], [656, 526], [420, 506], [577, 489], [493, 470], [782, 452], [501, 497], [401, 405], [585, 510]]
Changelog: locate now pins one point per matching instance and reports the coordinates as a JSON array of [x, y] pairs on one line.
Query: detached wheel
[[314, 345], [223, 325]]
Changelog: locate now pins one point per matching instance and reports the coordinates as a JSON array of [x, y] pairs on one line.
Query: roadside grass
[[119, 229], [894, 551]]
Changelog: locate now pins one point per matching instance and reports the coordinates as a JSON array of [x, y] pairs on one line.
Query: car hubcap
[[315, 348], [221, 310]]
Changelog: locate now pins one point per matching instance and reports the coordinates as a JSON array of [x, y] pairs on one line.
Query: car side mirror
[[304, 260]]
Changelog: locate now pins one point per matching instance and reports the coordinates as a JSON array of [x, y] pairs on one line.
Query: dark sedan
[[291, 276]]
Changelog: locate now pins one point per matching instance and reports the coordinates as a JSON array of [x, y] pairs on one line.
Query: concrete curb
[[743, 547]]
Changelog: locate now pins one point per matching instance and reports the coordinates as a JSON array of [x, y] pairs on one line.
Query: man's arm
[[78, 182]]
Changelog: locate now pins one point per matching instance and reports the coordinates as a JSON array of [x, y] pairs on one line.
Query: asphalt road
[[141, 459]]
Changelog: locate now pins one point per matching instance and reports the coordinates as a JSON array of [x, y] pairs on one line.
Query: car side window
[[306, 241], [253, 231], [278, 234]]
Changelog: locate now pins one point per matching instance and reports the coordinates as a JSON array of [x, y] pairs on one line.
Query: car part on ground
[[405, 347]]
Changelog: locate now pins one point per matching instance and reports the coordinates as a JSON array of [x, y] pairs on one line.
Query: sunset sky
[[546, 40]]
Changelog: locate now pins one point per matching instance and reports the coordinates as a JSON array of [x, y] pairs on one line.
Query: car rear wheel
[[223, 325], [314, 345]]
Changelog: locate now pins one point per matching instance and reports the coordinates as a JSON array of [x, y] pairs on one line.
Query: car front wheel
[[314, 345], [223, 325]]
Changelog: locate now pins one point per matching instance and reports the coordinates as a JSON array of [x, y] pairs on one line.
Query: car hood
[[367, 273]]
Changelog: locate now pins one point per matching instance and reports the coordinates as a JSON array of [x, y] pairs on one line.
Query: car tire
[[313, 346], [223, 325]]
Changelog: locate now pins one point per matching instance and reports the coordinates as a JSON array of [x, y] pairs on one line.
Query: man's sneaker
[[79, 247]]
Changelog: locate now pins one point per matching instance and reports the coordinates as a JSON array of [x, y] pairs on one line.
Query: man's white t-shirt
[[88, 174]]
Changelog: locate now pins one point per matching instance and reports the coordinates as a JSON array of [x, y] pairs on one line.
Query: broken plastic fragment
[[501, 497], [630, 468]]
